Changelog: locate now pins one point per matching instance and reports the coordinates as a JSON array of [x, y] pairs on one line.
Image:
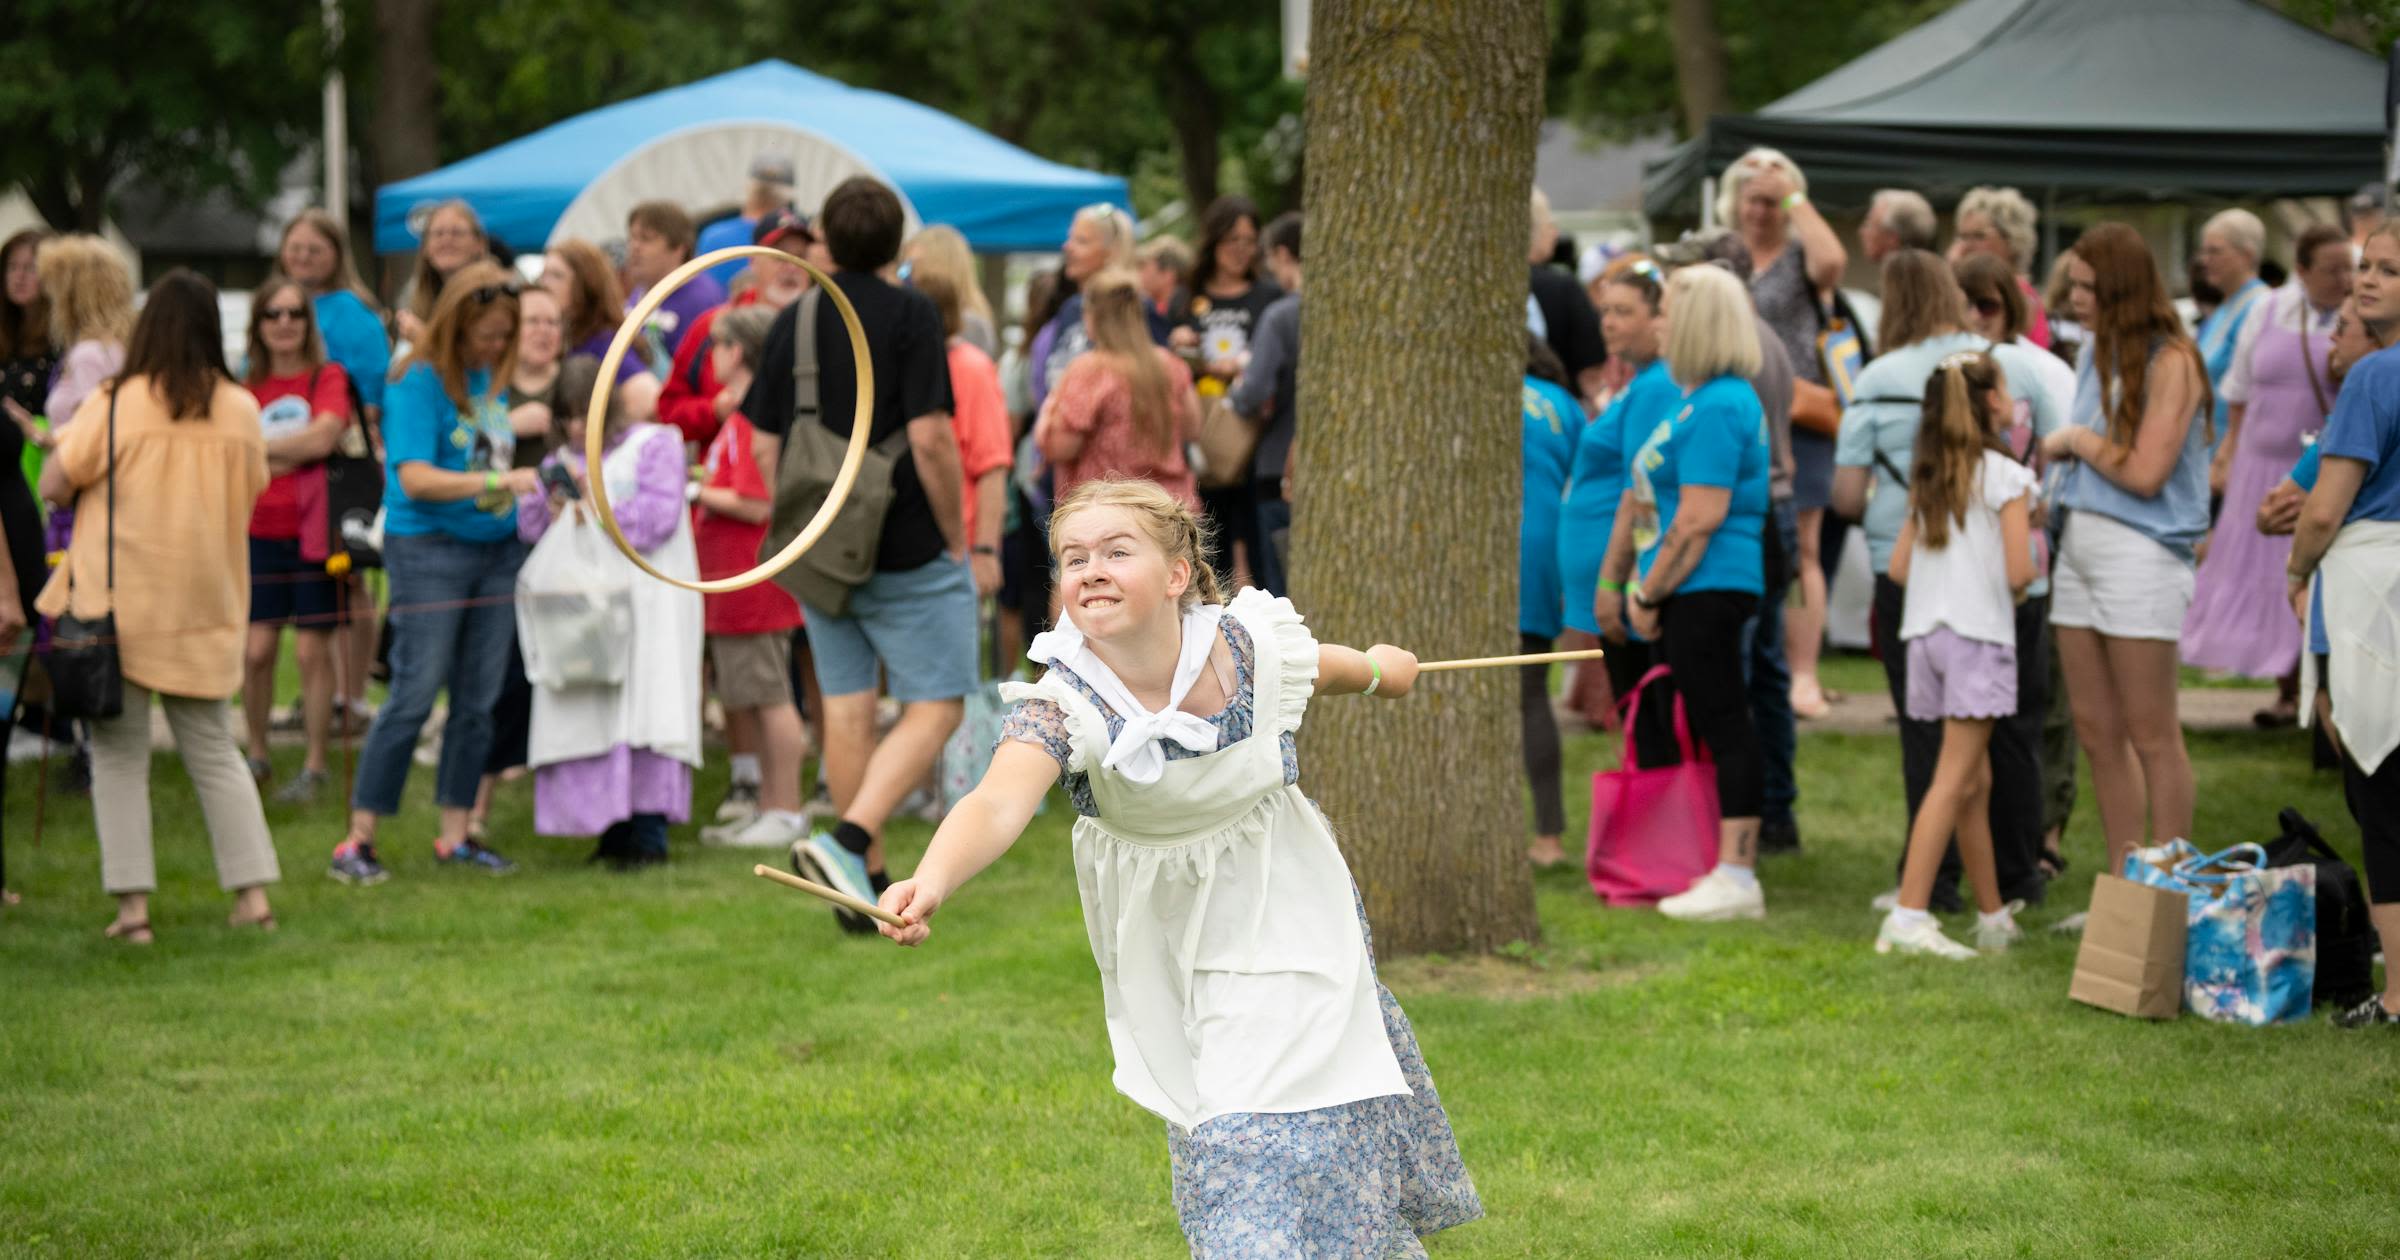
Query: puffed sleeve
[[1038, 714], [1284, 645]]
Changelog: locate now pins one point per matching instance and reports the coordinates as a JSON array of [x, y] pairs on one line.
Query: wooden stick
[[814, 889], [1487, 662]]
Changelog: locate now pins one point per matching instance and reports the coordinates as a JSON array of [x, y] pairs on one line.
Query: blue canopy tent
[[694, 145]]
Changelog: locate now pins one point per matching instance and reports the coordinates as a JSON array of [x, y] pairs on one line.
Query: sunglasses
[[491, 293], [1988, 306], [278, 314]]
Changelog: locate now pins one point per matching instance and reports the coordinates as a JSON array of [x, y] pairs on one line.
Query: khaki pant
[[203, 730]]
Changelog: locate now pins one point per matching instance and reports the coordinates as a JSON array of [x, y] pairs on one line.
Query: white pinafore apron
[[657, 707], [1233, 967]]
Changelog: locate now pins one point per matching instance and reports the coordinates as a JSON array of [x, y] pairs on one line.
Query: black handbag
[[354, 488], [2346, 940], [86, 683]]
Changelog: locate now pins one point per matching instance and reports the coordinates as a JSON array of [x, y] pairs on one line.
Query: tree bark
[[1422, 119], [403, 136], [1700, 73], [1192, 111]]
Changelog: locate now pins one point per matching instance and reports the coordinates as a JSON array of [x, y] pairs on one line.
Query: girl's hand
[[1608, 612], [1399, 670], [914, 902], [2061, 443]]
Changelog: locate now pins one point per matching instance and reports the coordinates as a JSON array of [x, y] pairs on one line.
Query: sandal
[[134, 933], [264, 922]]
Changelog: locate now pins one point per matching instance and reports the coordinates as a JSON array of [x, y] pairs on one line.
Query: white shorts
[[2113, 578]]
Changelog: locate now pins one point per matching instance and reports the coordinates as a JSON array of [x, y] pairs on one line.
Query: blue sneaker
[[471, 853], [822, 858]]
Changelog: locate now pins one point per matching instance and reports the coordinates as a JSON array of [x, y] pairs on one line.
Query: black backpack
[[2345, 939]]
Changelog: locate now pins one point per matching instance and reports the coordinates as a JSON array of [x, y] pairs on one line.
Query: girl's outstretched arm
[[1343, 671], [974, 835]]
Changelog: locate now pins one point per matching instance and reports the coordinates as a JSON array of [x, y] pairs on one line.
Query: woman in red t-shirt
[[1124, 410], [750, 630], [303, 407]]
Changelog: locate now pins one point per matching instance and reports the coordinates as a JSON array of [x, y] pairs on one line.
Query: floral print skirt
[[1365, 1179]]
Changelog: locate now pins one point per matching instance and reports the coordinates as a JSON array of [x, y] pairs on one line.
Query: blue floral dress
[[1362, 1177]]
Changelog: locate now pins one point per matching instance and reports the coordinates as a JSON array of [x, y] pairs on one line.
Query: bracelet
[[1376, 680], [1794, 200], [1606, 585], [491, 480], [984, 551]]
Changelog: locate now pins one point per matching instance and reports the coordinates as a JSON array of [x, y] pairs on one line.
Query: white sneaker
[[739, 806], [2072, 925], [1923, 936], [1715, 899], [1885, 902], [766, 831], [1995, 938]]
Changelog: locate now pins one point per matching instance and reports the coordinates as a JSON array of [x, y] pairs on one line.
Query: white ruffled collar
[[1136, 753]]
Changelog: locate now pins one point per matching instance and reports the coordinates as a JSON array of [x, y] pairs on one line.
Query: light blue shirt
[[354, 338], [1596, 485], [1552, 421], [2177, 516], [422, 425], [1718, 438], [1883, 415], [2220, 336]]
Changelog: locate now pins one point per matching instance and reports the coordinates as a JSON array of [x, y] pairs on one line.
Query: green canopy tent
[[2070, 101]]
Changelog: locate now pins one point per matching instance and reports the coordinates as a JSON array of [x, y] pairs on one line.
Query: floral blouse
[[1044, 725]]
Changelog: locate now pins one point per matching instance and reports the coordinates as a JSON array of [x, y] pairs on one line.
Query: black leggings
[[1541, 740], [2375, 803], [1653, 736], [1701, 634]]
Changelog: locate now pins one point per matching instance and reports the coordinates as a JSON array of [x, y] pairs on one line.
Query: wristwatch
[[1642, 600], [984, 551]]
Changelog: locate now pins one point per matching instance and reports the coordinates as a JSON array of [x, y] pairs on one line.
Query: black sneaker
[[475, 855], [358, 866], [2366, 1014]]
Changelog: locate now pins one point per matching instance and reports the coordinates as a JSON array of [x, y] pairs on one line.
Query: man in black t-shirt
[[915, 618]]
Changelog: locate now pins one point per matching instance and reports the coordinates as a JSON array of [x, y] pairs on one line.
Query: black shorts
[[286, 588]]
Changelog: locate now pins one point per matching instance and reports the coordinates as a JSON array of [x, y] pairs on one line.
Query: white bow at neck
[[1136, 752]]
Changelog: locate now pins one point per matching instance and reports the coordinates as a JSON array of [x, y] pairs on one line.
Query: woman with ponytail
[[1126, 409], [1963, 558]]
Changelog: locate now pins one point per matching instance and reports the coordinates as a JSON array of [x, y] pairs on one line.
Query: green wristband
[[1376, 680], [491, 480], [1606, 585]]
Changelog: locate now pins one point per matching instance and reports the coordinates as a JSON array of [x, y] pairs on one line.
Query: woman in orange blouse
[[189, 462]]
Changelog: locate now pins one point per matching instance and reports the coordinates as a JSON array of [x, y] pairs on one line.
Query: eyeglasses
[[278, 314]]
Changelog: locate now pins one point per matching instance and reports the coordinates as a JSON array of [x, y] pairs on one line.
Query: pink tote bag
[[1654, 829]]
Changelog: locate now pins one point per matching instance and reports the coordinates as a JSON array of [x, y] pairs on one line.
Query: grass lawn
[[693, 1063]]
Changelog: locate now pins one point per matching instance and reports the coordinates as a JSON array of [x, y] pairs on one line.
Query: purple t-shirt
[[683, 307], [596, 346]]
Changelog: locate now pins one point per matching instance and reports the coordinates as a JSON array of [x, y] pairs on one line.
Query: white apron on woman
[[1236, 974], [656, 709]]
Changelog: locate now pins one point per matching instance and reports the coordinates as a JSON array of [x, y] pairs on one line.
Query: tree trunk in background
[[1422, 118], [1700, 74], [406, 78], [1192, 111]]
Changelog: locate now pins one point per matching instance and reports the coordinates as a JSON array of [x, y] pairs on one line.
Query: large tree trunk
[[1422, 118], [1700, 74], [1192, 111], [404, 136]]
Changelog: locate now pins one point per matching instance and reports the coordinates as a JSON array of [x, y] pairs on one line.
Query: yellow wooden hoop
[[595, 430]]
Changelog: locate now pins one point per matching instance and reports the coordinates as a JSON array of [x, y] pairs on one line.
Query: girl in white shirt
[[1964, 559], [1238, 978]]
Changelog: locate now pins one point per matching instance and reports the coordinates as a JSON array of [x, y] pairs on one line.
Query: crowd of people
[[2066, 493]]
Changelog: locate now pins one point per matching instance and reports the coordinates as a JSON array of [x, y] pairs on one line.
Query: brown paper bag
[[2132, 956]]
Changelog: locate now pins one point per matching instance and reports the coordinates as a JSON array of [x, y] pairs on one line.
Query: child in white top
[[1964, 558], [1237, 976]]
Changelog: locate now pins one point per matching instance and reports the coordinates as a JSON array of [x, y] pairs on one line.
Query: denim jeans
[[453, 618], [1273, 548], [1768, 673]]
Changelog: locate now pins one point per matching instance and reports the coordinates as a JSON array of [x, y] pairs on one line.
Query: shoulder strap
[[805, 408], [1884, 462], [114, 388]]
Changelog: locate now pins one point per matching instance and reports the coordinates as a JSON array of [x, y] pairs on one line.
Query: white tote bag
[[575, 606]]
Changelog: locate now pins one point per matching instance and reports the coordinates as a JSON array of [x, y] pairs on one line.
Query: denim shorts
[[918, 623]]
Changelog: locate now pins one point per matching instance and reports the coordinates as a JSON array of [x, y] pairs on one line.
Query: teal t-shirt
[[1552, 421], [421, 425], [1718, 437]]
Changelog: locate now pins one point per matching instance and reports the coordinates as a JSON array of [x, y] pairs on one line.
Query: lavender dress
[[586, 796], [2239, 619]]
